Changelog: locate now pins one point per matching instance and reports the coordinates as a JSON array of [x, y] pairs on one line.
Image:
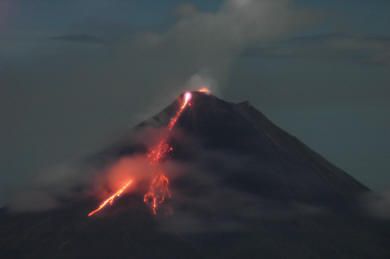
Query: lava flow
[[159, 152], [111, 199], [159, 187], [158, 190]]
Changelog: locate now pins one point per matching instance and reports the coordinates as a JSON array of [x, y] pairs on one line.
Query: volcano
[[241, 188]]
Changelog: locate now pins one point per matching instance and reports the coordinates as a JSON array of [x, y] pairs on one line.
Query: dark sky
[[74, 74]]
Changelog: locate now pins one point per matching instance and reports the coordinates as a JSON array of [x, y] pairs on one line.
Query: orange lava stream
[[187, 99], [159, 152], [111, 199], [158, 190]]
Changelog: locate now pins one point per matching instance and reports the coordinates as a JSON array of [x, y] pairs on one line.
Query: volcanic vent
[[220, 181]]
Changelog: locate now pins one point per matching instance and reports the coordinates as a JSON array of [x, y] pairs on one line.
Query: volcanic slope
[[241, 188]]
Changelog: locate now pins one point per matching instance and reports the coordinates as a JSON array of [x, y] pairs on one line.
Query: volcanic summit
[[229, 184]]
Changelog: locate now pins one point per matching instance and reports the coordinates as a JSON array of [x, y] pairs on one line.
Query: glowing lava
[[111, 199], [204, 90], [158, 190], [186, 101], [157, 153]]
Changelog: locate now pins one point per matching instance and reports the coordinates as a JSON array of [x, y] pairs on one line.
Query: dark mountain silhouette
[[248, 190]]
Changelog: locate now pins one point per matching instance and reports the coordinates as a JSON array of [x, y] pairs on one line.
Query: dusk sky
[[75, 74]]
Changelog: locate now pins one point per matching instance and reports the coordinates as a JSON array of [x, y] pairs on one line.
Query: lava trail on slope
[[158, 190]]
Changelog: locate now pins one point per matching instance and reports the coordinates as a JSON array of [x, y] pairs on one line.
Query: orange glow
[[159, 152], [186, 101], [111, 199], [158, 190], [204, 90]]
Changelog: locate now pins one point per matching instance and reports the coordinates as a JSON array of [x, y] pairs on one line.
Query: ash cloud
[[210, 42], [48, 188], [57, 186], [202, 198], [97, 177], [32, 201], [185, 10]]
